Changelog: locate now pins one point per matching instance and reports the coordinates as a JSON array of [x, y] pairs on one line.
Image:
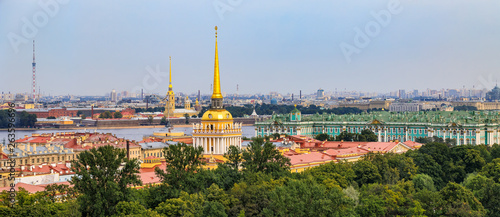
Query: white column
[[216, 145], [379, 135], [478, 137]]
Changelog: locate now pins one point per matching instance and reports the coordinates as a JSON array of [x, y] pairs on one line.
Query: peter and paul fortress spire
[[170, 104]]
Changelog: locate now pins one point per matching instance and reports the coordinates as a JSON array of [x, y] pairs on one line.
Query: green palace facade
[[466, 127]]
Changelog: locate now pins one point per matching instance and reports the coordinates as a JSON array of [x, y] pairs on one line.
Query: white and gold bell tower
[[217, 130]]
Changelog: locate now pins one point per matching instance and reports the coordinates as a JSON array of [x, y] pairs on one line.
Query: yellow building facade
[[217, 130]]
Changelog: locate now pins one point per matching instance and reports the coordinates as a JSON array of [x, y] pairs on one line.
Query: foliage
[[257, 182], [117, 115], [423, 182], [163, 121], [459, 201], [26, 119], [307, 198], [492, 170], [263, 157], [465, 108], [106, 115], [182, 161], [341, 173], [101, 184], [365, 136], [270, 109]]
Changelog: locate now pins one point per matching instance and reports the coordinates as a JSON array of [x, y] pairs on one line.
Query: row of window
[[41, 160], [156, 154]]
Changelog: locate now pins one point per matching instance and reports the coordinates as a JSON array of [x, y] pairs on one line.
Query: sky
[[91, 47]]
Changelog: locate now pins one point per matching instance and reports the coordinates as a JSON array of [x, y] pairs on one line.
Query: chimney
[[128, 148]]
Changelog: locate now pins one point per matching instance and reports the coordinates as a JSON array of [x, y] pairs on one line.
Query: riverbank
[[107, 128]]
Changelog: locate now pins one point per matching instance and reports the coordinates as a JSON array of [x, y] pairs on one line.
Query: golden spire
[[170, 82], [217, 93]]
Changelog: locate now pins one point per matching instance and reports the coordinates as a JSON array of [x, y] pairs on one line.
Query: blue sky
[[91, 47]]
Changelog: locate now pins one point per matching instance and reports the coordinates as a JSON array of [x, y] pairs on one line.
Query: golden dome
[[216, 115]]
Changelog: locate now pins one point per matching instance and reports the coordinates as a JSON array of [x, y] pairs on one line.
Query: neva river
[[130, 133]]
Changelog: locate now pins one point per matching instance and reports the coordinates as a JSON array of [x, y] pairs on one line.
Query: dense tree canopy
[[103, 177], [435, 180]]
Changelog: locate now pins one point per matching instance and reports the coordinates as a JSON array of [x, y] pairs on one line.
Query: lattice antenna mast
[[34, 74]]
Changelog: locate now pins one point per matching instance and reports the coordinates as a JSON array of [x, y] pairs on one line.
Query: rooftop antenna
[[34, 73]]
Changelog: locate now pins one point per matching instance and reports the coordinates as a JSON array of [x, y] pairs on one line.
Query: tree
[[150, 119], [486, 191], [186, 117], [366, 172], [103, 176], [214, 209], [182, 161], [307, 198], [51, 117], [185, 205], [134, 208], [263, 157], [117, 115], [83, 116], [163, 121], [228, 202], [106, 115], [368, 136], [340, 173], [459, 201], [322, 137], [423, 181], [492, 170], [26, 119]]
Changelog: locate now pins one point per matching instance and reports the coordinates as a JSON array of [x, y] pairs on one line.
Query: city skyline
[[267, 47]]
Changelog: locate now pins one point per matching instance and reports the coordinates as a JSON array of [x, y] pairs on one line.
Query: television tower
[[34, 73]]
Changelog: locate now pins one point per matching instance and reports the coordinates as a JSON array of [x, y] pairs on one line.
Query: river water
[[129, 133]]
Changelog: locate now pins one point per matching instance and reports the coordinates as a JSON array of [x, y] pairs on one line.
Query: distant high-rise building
[[402, 94], [113, 96], [320, 94]]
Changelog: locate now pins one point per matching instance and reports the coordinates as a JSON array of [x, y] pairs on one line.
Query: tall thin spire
[[34, 73], [170, 82], [216, 96], [217, 92]]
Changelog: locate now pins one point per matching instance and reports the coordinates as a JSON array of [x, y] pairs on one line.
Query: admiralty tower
[[217, 130]]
